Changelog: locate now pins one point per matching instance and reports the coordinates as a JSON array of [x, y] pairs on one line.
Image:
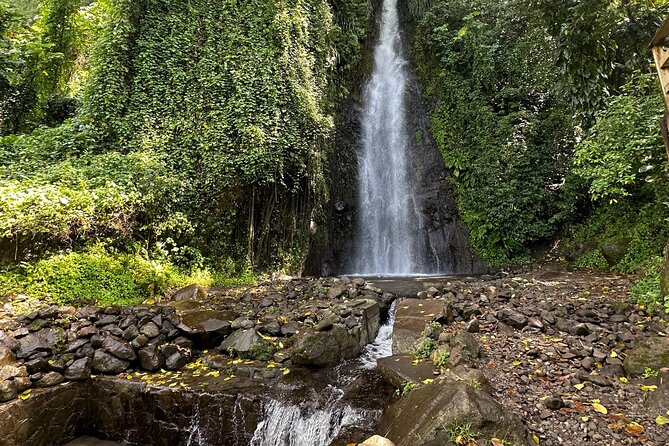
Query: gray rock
[[130, 333], [290, 328], [120, 349], [240, 342], [8, 391], [150, 330], [195, 292], [512, 318], [79, 370], [426, 411], [411, 318], [651, 352], [50, 379], [150, 358], [105, 363], [176, 360], [46, 340]]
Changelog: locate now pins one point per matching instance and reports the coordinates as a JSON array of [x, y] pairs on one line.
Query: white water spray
[[388, 237]]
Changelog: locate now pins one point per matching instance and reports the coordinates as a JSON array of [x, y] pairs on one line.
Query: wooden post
[[660, 49]]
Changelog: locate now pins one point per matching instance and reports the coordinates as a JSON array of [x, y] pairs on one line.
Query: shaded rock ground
[[556, 349]]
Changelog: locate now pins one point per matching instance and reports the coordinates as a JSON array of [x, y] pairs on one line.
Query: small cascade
[[318, 421], [290, 425], [382, 345]]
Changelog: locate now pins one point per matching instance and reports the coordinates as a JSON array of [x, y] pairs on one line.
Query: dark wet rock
[[649, 353], [290, 328], [150, 330], [411, 318], [554, 403], [217, 326], [429, 410], [75, 345], [79, 370], [8, 390], [177, 360], [397, 369], [150, 358], [87, 331], [130, 333], [37, 365], [120, 349], [139, 341], [580, 330], [105, 363], [50, 379], [57, 365], [512, 318], [336, 291], [194, 321], [326, 348], [106, 320], [9, 341], [194, 292], [240, 342], [242, 322], [46, 340]]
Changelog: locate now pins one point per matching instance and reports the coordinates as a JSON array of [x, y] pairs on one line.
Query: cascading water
[[388, 241], [318, 421]]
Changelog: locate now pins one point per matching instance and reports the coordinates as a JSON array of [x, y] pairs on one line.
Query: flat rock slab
[[91, 441], [428, 411], [411, 317], [650, 353], [397, 369]]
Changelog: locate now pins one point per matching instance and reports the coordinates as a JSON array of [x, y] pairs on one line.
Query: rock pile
[[320, 321]]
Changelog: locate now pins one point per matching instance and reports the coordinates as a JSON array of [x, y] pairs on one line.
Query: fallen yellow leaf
[[585, 419], [623, 379], [647, 388], [599, 408], [287, 371], [535, 438], [659, 420], [579, 386]]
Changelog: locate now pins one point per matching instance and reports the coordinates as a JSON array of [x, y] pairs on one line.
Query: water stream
[[388, 236], [317, 421]]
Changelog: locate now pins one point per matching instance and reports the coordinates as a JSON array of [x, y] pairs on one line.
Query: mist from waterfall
[[388, 240]]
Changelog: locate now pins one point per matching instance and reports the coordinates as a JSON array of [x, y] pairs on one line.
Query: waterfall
[[388, 238]]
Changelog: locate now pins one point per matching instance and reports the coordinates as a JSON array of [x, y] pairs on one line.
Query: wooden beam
[[661, 35]]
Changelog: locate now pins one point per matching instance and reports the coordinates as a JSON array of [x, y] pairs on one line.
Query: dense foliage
[[541, 109], [198, 140]]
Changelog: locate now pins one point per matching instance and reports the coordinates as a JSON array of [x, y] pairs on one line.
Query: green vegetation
[[462, 434], [189, 136], [424, 348], [547, 115], [262, 351], [407, 387]]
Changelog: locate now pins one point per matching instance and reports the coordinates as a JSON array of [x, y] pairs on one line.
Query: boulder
[[8, 391], [377, 440], [79, 370], [428, 411], [50, 379], [120, 349], [411, 317], [341, 340], [649, 353], [614, 250], [46, 340], [150, 358], [323, 348], [194, 292], [105, 363], [512, 318], [205, 321], [150, 330], [397, 369], [7, 357], [240, 342]]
